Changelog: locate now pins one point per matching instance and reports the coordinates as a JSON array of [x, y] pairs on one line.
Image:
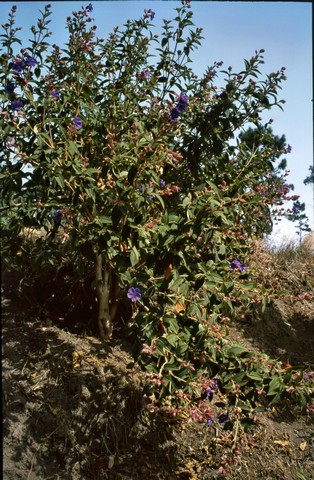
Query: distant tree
[[297, 214], [310, 178], [271, 147]]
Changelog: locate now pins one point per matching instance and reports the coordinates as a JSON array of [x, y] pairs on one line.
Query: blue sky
[[232, 31]]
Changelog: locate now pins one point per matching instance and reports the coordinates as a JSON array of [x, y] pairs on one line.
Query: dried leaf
[[168, 271], [287, 366], [283, 443], [180, 307], [123, 247], [111, 461], [303, 446]]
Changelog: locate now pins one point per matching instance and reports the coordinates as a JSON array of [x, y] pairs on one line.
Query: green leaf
[[255, 376], [134, 256], [236, 349], [172, 339], [275, 386]]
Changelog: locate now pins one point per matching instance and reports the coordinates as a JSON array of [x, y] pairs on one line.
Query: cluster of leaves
[[156, 178]]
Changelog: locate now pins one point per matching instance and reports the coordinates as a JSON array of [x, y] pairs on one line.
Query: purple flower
[[57, 215], [54, 94], [134, 294], [9, 88], [16, 105], [149, 14], [210, 421], [183, 103], [223, 418], [140, 188], [242, 267], [147, 73], [212, 74], [181, 106], [215, 384], [174, 114], [234, 264], [77, 123], [30, 62], [289, 149], [162, 183], [89, 8], [237, 264], [19, 66]]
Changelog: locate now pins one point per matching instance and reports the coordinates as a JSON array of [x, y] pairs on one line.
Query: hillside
[[73, 408]]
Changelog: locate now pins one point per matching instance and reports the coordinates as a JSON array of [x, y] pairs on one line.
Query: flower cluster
[[149, 349], [155, 378], [208, 385], [20, 65], [202, 412], [236, 264], [144, 75], [181, 106]]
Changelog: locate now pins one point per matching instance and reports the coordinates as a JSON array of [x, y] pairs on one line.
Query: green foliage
[[119, 153]]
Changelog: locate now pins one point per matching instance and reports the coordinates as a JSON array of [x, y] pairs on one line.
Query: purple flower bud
[[183, 103], [149, 14], [89, 8], [9, 88], [174, 114], [57, 215], [215, 382], [16, 105], [18, 67], [162, 183], [77, 123], [54, 94], [223, 418], [242, 267], [30, 62]]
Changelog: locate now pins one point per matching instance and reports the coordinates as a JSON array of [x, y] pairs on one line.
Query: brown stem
[[103, 287]]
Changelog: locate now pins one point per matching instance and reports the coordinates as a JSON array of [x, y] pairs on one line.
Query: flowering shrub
[[138, 167]]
